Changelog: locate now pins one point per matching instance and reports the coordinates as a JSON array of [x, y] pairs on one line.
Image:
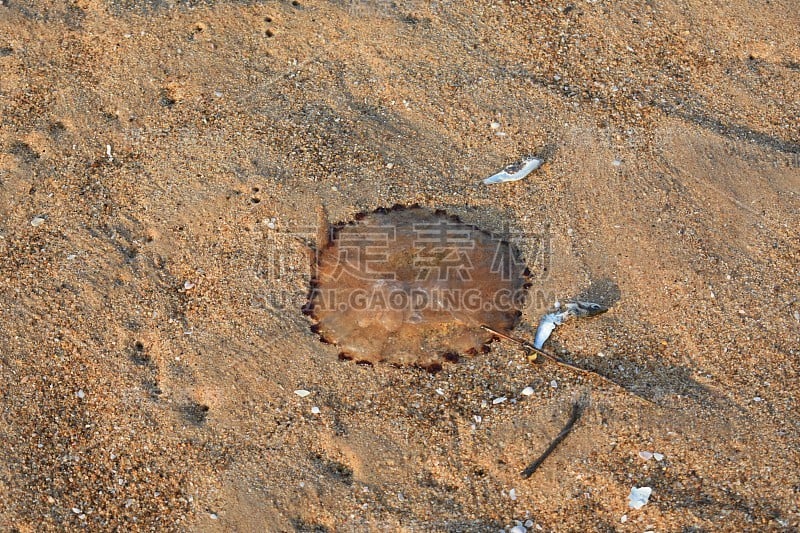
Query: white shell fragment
[[515, 171], [527, 391], [639, 496], [302, 393], [37, 221], [646, 455], [549, 322], [546, 326]]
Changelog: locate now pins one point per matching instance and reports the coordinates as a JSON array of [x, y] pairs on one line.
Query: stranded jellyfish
[[413, 286]]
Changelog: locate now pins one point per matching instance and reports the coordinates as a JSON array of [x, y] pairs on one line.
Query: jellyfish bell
[[411, 286]]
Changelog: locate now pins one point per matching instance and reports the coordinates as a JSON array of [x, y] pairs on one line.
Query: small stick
[[530, 347], [538, 352], [577, 411]]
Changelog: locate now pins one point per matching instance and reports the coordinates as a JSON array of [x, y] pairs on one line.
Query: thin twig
[[577, 411], [537, 352]]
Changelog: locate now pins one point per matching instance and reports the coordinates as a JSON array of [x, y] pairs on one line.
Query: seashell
[[515, 171]]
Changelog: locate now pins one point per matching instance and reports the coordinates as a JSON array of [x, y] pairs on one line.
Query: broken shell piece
[[302, 393], [546, 326], [549, 322], [639, 496], [585, 309], [37, 221], [515, 171]]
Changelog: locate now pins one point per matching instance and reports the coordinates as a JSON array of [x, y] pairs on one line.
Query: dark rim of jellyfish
[[333, 232]]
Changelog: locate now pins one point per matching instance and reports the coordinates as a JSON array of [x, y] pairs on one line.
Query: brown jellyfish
[[413, 286]]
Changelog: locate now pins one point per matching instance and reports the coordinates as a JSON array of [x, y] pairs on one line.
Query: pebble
[[527, 391], [554, 384], [501, 399], [512, 494], [302, 393], [37, 221], [658, 456], [213, 516], [188, 285], [646, 455], [80, 394], [315, 410], [518, 529]]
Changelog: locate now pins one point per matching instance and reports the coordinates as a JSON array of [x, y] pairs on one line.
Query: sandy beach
[[162, 169]]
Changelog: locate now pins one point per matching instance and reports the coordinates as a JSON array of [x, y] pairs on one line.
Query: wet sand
[[161, 166]]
